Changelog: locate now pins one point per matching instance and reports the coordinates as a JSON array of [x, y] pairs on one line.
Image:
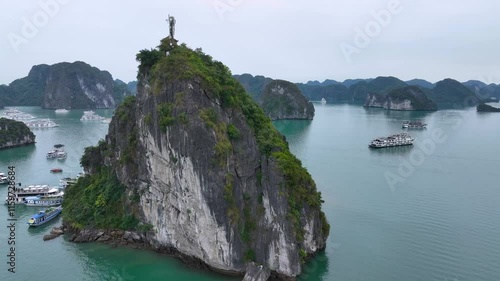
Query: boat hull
[[45, 219], [386, 146]]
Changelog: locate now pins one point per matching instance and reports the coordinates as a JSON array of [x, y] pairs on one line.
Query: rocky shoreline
[[142, 240]]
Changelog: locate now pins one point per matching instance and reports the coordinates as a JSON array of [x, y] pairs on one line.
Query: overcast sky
[[295, 40]]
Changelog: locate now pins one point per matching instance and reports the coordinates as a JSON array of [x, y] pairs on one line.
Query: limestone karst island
[[193, 167]]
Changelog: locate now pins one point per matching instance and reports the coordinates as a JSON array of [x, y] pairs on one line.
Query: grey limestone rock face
[[256, 273], [78, 85]]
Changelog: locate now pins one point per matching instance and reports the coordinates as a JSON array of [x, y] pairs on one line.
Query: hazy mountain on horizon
[[421, 83]]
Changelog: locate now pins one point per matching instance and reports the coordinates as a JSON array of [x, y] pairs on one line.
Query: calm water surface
[[440, 221]]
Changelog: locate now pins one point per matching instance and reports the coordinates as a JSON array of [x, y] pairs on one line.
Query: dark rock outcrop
[[14, 134], [283, 100], [486, 108], [204, 167], [408, 98], [54, 233], [50, 237]]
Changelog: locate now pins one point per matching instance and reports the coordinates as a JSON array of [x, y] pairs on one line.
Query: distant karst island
[[79, 85], [14, 134], [420, 94], [407, 98], [283, 100], [487, 108], [65, 85]]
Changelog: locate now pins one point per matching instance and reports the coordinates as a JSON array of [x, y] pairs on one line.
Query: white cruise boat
[[57, 152], [20, 194], [4, 179], [392, 140], [323, 101], [91, 116], [62, 111], [61, 155], [44, 200], [41, 124], [17, 115]]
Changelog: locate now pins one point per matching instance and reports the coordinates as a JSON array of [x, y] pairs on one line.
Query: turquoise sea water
[[439, 220]]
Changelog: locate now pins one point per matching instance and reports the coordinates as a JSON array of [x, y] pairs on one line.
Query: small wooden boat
[[56, 170], [44, 216]]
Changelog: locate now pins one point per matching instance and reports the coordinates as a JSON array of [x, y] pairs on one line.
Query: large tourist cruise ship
[[17, 115], [41, 124], [91, 116], [20, 194], [392, 140]]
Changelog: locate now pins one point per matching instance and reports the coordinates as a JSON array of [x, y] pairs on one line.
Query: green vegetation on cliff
[[14, 133], [98, 201], [215, 78]]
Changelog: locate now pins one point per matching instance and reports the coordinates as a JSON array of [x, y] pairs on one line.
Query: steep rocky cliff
[[283, 100], [78, 85], [195, 166], [408, 98], [65, 85], [14, 134]]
